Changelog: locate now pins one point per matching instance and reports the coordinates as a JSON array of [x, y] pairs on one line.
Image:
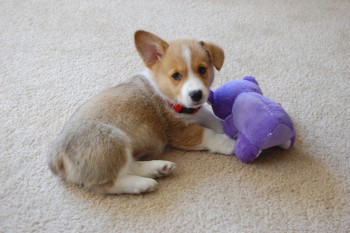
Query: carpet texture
[[54, 55]]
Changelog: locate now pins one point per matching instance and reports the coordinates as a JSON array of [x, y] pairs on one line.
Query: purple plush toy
[[257, 122]]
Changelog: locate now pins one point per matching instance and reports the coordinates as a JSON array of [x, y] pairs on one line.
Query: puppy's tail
[[56, 164]]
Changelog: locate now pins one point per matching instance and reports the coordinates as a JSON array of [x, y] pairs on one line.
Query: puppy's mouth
[[189, 103], [187, 109], [186, 105], [196, 105]]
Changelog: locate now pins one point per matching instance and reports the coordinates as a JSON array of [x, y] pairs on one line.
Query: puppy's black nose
[[196, 95]]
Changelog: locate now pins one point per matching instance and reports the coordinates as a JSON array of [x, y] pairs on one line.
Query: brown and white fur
[[101, 145]]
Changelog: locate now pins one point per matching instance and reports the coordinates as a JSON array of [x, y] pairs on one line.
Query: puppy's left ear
[[216, 53]]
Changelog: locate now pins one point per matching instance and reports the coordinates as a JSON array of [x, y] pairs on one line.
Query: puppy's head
[[182, 69]]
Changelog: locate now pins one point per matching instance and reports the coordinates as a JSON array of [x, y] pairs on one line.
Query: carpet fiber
[[54, 55]]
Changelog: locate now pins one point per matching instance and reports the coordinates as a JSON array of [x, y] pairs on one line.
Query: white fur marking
[[151, 169], [130, 184], [193, 83], [218, 143], [187, 56]]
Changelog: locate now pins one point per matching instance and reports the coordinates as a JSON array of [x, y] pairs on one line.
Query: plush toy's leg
[[286, 145], [229, 128], [245, 150]]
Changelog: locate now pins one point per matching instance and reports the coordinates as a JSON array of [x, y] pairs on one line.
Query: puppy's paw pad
[[167, 168]]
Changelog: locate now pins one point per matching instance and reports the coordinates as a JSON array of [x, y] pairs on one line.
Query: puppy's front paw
[[218, 143], [225, 145]]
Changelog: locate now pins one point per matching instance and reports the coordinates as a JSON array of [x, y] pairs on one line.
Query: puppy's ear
[[150, 47], [216, 53]]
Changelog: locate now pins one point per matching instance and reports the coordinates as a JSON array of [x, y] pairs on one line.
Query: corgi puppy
[[110, 143]]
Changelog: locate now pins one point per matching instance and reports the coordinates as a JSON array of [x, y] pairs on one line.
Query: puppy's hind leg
[[127, 182], [151, 169]]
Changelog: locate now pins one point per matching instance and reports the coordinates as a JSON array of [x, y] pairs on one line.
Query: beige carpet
[[56, 54]]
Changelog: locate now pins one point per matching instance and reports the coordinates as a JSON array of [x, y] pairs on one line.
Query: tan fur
[[187, 137], [216, 54], [129, 108], [131, 120]]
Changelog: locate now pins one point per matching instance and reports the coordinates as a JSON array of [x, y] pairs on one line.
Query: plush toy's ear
[[216, 53], [251, 79], [150, 47]]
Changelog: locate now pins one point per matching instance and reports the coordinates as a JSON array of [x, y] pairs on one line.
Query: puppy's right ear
[[150, 47]]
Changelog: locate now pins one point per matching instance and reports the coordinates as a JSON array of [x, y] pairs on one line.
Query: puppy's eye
[[176, 76], [202, 70]]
